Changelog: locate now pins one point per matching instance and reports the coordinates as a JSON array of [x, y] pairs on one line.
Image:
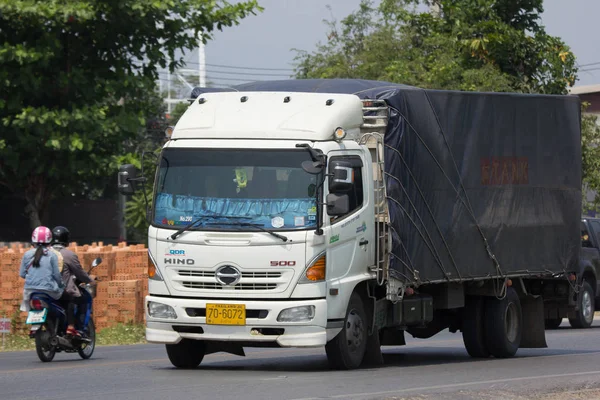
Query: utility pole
[[169, 85], [201, 61]]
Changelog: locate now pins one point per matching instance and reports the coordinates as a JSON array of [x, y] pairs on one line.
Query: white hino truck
[[346, 213]]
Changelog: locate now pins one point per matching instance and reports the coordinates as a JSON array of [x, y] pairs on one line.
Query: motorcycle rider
[[39, 268], [71, 270]]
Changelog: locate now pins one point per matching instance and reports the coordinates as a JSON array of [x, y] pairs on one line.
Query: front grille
[[239, 286], [211, 274], [201, 274], [251, 281]]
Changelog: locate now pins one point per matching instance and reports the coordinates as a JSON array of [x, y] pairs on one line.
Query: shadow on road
[[393, 358]]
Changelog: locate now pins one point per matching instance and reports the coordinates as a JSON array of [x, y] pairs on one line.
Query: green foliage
[[484, 45], [136, 207], [77, 85]]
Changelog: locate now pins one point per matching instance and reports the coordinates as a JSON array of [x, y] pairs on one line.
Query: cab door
[[351, 236]]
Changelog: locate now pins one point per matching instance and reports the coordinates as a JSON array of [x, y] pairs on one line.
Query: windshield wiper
[[257, 226], [187, 227]]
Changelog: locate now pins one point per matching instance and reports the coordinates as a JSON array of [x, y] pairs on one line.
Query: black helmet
[[61, 235]]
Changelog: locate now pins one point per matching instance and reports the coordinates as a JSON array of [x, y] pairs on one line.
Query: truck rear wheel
[[473, 328], [585, 315], [186, 354], [503, 324], [347, 349]]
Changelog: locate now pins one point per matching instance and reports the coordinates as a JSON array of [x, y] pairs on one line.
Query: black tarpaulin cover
[[478, 184]]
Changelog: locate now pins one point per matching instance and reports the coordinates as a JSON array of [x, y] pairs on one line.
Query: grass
[[123, 334]]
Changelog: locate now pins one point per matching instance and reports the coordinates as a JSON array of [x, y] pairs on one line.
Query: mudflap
[[534, 330]]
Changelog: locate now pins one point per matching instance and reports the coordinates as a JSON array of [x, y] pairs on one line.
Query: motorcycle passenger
[[71, 271], [39, 268]]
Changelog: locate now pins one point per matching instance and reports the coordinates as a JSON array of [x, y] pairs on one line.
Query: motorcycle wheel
[[44, 350], [87, 349]]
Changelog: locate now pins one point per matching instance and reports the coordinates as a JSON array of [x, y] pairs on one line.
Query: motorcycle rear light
[[37, 304]]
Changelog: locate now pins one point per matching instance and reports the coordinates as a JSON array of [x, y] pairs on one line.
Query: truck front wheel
[[186, 354], [585, 315], [347, 349], [503, 324]]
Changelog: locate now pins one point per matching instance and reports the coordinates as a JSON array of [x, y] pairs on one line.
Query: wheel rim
[[511, 323], [586, 306], [354, 331]]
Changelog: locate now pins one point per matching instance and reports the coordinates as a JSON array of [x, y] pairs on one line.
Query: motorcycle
[[48, 320]]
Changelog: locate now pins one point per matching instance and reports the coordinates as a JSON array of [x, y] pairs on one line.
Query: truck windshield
[[267, 188]]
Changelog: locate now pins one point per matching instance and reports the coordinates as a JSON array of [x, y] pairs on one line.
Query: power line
[[589, 69], [589, 64], [238, 80], [229, 73], [245, 73], [242, 68]]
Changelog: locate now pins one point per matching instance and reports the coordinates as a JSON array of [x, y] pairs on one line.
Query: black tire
[[187, 354], [44, 350], [373, 356], [553, 323], [347, 349], [503, 324], [473, 331], [87, 349], [585, 315]]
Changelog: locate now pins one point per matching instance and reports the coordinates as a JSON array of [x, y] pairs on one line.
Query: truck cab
[[262, 224]]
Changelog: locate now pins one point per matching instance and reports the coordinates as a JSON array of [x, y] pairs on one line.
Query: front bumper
[[295, 334]]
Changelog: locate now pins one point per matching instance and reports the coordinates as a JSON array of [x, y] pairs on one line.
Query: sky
[[266, 41]]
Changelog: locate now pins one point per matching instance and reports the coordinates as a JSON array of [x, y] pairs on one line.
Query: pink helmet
[[41, 234]]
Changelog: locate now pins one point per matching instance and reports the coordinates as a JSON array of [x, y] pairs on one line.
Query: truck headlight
[[159, 310], [297, 314]]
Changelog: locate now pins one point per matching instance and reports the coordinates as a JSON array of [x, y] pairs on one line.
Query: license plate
[[226, 314], [37, 317]]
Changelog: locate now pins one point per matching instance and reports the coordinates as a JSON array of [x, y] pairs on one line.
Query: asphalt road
[[434, 368]]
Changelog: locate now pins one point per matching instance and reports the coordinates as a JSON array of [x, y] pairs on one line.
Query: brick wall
[[123, 284]]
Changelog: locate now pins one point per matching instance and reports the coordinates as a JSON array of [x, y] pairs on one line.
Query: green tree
[[76, 83], [485, 45], [137, 206]]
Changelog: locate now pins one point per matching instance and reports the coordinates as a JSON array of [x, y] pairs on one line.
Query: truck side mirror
[[126, 178], [337, 204], [341, 176]]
